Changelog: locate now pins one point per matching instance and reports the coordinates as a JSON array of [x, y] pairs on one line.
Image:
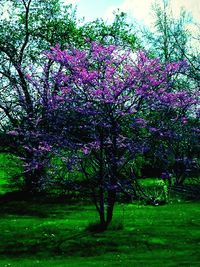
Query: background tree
[[171, 40], [119, 32], [27, 28]]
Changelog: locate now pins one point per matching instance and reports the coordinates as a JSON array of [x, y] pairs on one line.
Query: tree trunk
[[32, 181], [102, 209], [110, 208]]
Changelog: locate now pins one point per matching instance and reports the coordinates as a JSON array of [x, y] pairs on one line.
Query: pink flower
[[86, 150]]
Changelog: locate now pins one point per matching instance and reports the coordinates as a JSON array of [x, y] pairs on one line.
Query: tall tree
[[171, 40], [27, 28]]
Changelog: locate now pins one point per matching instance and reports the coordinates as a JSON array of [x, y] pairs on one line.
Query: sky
[[139, 10]]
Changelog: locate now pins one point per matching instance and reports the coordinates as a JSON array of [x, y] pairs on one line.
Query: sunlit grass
[[55, 233], [46, 232]]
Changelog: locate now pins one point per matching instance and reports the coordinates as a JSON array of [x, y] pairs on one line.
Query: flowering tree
[[99, 106], [103, 101]]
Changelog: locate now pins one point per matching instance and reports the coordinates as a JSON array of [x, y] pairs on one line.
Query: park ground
[[56, 232]]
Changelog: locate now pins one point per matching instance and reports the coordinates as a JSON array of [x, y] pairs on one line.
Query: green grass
[[39, 233]]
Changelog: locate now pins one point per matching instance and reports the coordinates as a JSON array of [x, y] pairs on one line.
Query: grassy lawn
[[41, 234]]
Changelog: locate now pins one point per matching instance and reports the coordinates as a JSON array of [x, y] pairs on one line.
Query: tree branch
[[27, 34]]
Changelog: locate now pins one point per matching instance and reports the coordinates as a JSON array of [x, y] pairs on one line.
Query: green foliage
[[10, 172], [61, 179], [38, 26], [155, 189], [170, 37], [119, 32]]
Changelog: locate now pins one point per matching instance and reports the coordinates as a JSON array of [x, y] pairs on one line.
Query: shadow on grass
[[51, 241], [98, 228], [161, 230], [42, 206], [57, 242], [27, 236]]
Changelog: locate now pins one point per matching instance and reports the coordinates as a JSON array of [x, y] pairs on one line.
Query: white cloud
[[141, 10], [192, 6], [68, 2]]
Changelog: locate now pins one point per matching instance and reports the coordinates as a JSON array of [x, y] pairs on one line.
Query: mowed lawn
[[39, 233], [43, 232]]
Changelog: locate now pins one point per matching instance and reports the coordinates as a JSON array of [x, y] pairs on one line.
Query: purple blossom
[[86, 150], [96, 102]]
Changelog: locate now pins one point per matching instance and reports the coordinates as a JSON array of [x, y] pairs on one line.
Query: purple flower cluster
[[98, 101]]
